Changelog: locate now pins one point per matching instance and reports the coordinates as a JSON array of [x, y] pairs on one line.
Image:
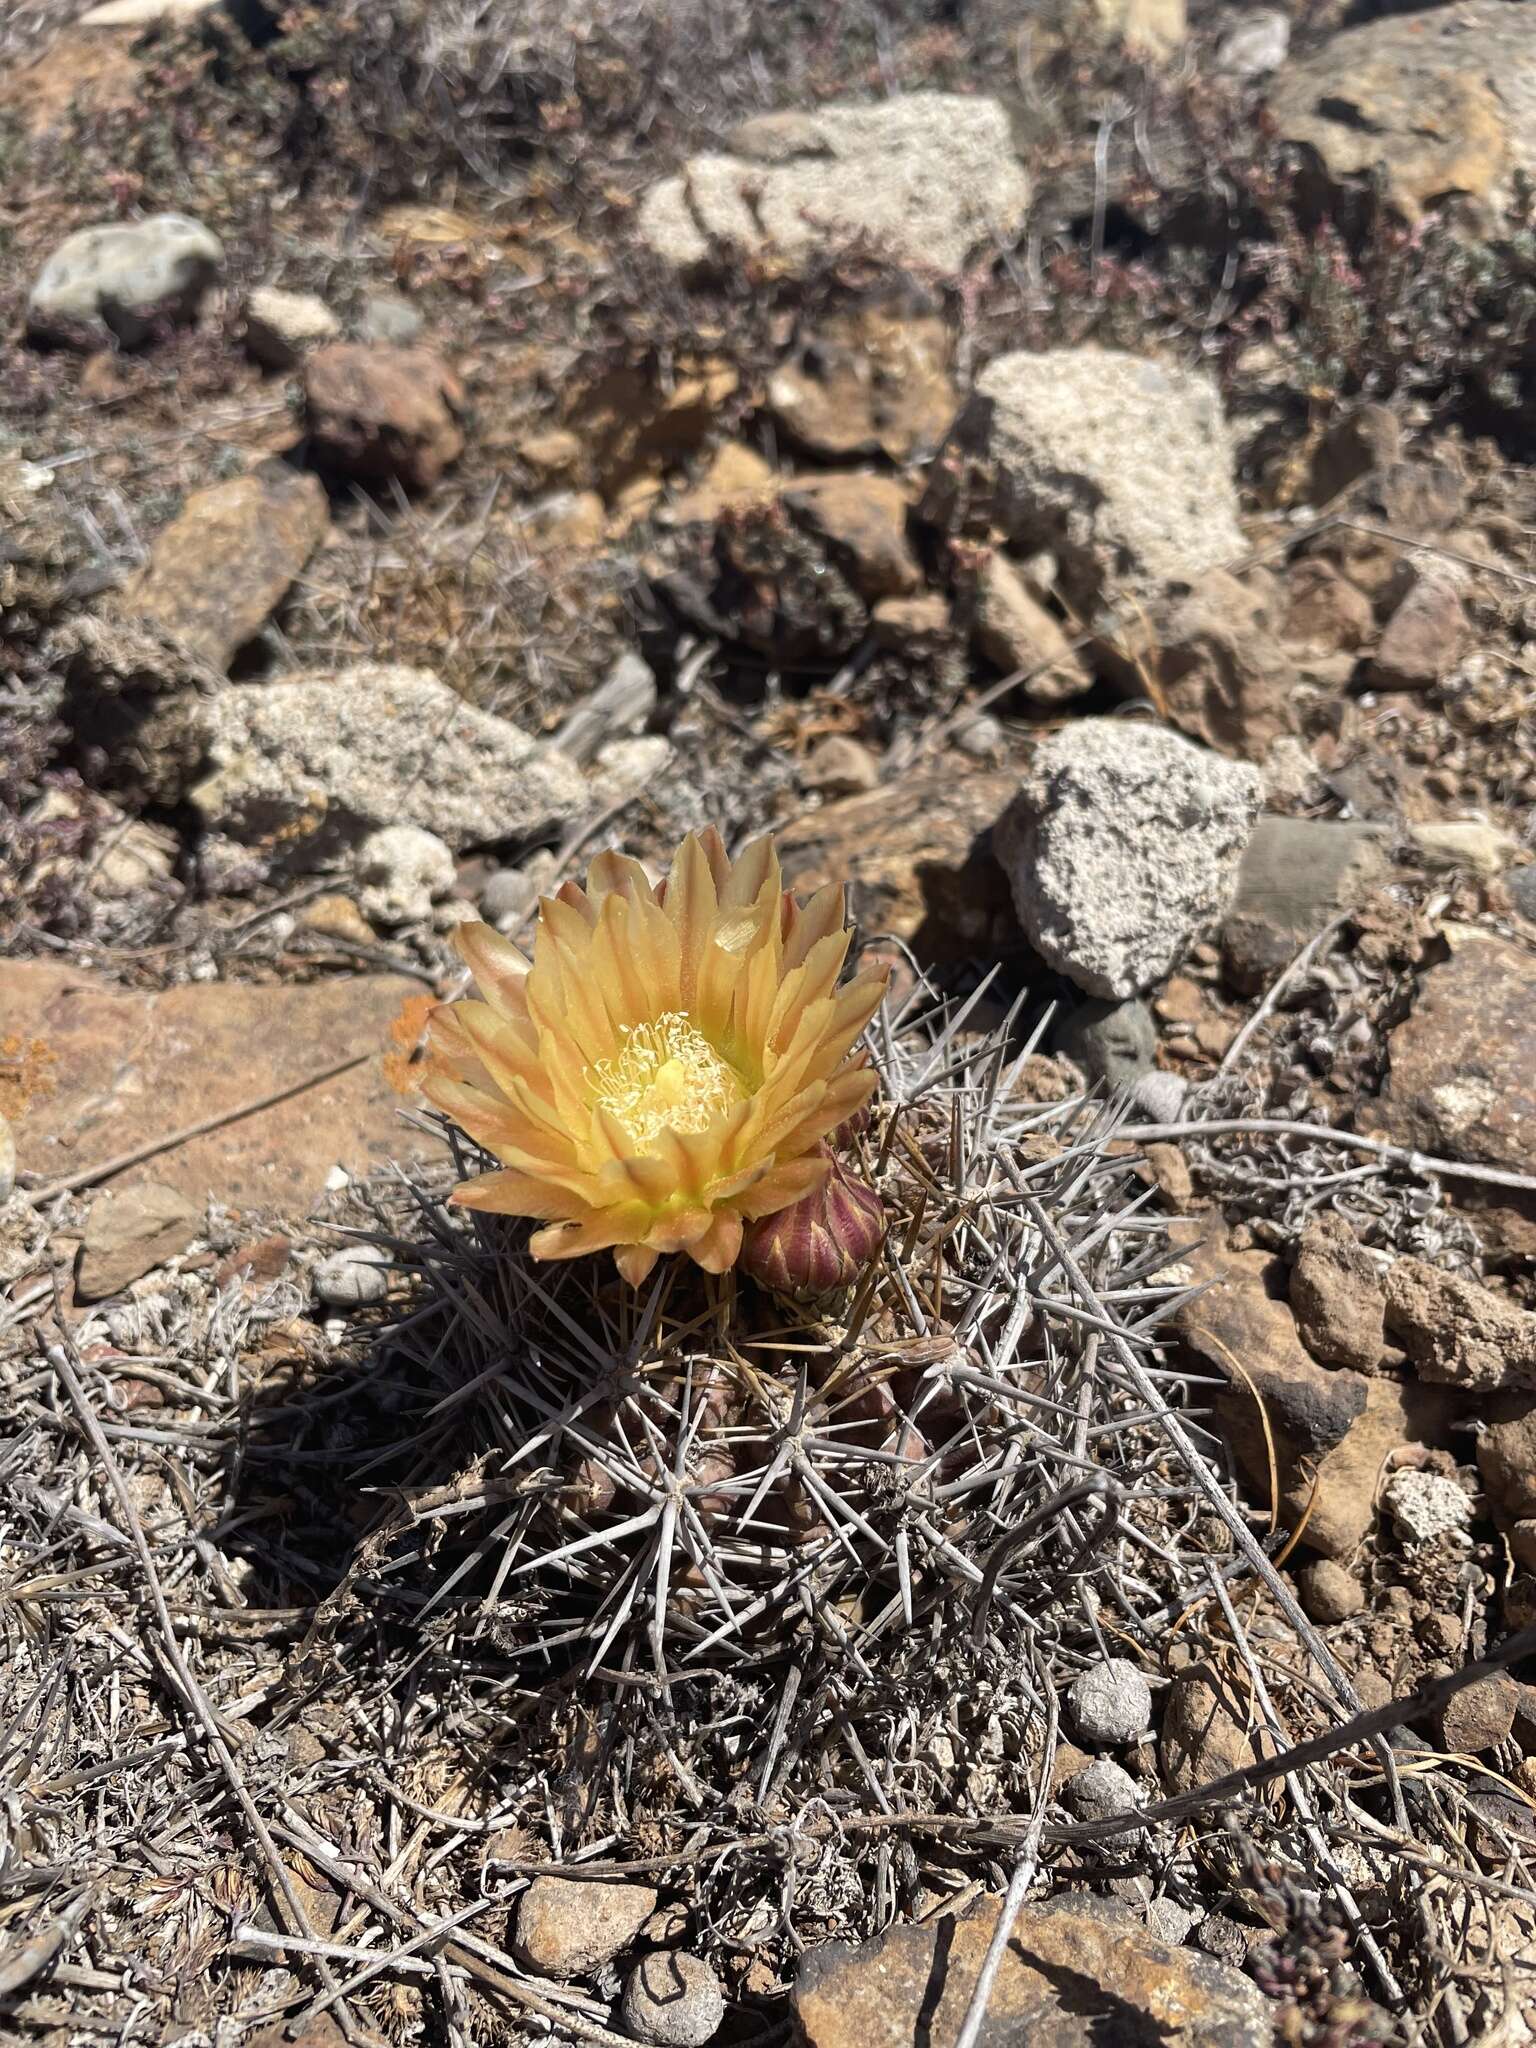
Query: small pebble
[[388, 317], [1169, 1921], [568, 1927], [1110, 1702], [674, 1999], [1330, 1593], [355, 1277], [1100, 1791]]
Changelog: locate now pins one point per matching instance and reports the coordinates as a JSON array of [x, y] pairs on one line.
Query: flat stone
[[1078, 1973], [1119, 466], [217, 573], [1296, 874], [320, 759], [918, 858], [131, 1068], [1458, 1332], [1122, 848], [1462, 1077], [124, 279], [924, 178], [566, 1927], [1437, 101], [129, 1232], [1480, 1716]]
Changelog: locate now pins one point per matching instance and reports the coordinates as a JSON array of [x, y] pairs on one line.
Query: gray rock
[[325, 759], [123, 279], [1297, 873], [1100, 1791], [568, 1927], [1112, 1042], [616, 709], [1258, 44], [388, 317], [1122, 847], [7, 1161], [1110, 1702], [128, 1233], [508, 896], [925, 178], [673, 1999], [1522, 891], [1160, 1097], [1121, 467], [1169, 1921], [403, 871], [355, 1277], [280, 325]]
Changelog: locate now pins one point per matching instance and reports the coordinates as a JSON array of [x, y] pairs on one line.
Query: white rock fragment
[[355, 1277], [402, 871], [1122, 848], [123, 279]]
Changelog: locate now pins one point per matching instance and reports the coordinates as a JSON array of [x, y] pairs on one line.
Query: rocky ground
[[1067, 471]]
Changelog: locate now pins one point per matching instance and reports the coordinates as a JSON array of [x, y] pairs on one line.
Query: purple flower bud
[[820, 1244]]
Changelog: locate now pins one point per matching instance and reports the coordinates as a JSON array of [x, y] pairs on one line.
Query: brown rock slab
[[1458, 1332], [1337, 1296], [862, 520], [129, 1232], [1506, 1455], [1243, 1318], [567, 1928], [1075, 1974], [1462, 1079], [377, 413], [1220, 666], [130, 1068], [874, 381], [219, 571], [1332, 1430], [918, 858]]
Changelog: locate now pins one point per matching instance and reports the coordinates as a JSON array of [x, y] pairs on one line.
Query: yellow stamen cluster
[[667, 1077], [664, 1069]]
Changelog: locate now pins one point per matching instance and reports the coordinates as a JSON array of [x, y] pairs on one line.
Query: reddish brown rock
[[1424, 638], [1219, 665], [1336, 1296], [130, 1068], [1506, 1455], [1332, 1426], [217, 573], [128, 1233], [918, 859], [566, 1927], [1013, 631], [1078, 1973], [378, 414], [1481, 1716], [862, 521], [1462, 1079]]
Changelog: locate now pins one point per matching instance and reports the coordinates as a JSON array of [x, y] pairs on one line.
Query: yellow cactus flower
[[664, 1069]]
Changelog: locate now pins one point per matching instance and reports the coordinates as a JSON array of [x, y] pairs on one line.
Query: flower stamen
[[667, 1077]]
